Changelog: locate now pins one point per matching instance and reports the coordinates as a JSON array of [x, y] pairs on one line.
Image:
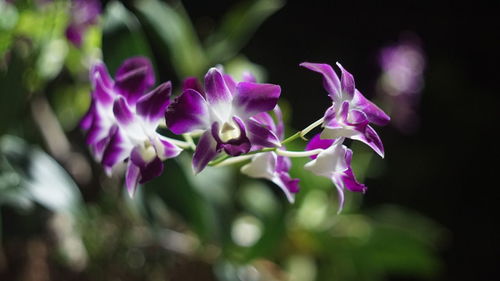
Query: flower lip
[[232, 138], [229, 131]]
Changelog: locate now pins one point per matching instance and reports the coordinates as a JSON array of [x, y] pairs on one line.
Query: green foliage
[[173, 32], [238, 26], [237, 226], [30, 175]]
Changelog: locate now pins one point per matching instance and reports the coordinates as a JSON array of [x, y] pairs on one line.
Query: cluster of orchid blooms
[[232, 121]]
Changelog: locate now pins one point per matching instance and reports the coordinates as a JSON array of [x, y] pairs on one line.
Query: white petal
[[263, 165], [329, 162]]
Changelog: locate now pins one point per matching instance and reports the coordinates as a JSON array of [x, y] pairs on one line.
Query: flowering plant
[[231, 121]]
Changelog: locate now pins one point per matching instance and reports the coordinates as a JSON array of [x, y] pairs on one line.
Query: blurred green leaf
[[238, 26], [393, 242], [70, 102], [12, 93], [177, 192], [172, 28], [51, 58], [40, 178], [40, 25], [122, 36], [8, 20]]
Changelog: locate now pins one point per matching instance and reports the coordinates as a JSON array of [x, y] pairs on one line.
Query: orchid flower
[[135, 139], [122, 121], [133, 78], [223, 112], [350, 113], [270, 165], [334, 162]]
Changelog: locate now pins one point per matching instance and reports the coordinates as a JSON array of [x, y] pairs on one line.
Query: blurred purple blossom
[[83, 13], [122, 120], [401, 81]]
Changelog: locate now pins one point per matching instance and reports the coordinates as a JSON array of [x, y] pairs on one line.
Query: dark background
[[444, 170]]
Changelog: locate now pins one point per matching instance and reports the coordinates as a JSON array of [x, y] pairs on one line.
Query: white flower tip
[[108, 171], [131, 192]]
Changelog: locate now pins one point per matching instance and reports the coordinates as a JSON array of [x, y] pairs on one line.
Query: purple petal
[[216, 89], [253, 98], [137, 158], [152, 170], [230, 83], [134, 77], [356, 118], [99, 70], [371, 138], [85, 12], [194, 84], [348, 177], [283, 164], [330, 115], [99, 147], [344, 111], [330, 79], [74, 33], [168, 149], [280, 125], [102, 91], [206, 150], [236, 146], [88, 118], [291, 184], [374, 113], [132, 178], [98, 129], [347, 82], [153, 105], [122, 112], [187, 113], [317, 142], [260, 135], [115, 151], [266, 120]]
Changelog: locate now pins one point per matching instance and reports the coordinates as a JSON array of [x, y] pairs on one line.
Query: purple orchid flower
[[350, 112], [83, 14], [334, 162], [224, 111], [133, 78], [270, 165], [122, 120]]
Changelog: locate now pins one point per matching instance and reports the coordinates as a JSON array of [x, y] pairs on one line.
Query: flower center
[[229, 131], [148, 152]]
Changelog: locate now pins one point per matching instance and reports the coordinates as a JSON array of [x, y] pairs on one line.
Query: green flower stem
[[298, 153], [301, 134], [189, 140], [233, 160], [218, 162]]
